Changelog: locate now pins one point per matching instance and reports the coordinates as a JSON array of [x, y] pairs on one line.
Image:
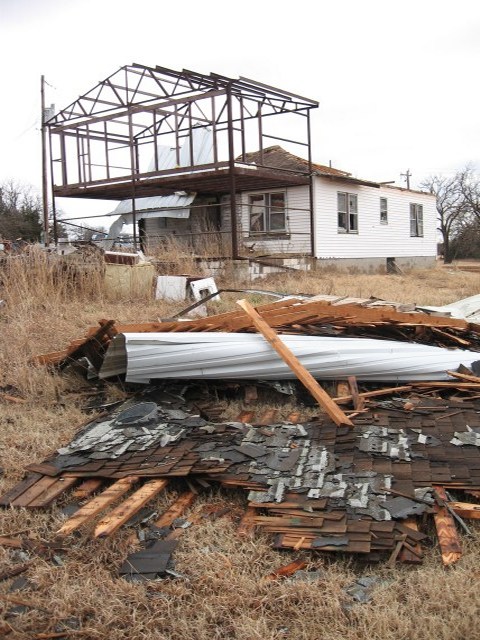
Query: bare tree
[[458, 204], [469, 184]]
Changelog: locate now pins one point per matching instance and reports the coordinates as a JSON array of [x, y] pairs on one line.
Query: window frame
[[416, 220], [383, 210], [269, 211], [349, 214]]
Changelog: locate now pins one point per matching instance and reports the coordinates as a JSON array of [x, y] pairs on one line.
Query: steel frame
[[130, 113]]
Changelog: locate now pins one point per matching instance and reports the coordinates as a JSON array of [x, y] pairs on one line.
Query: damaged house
[[175, 149]]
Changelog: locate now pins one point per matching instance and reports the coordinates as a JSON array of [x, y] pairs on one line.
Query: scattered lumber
[[94, 506], [299, 370], [448, 539]]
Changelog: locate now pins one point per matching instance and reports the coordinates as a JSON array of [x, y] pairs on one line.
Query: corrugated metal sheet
[[202, 142], [466, 309], [172, 206], [224, 356]]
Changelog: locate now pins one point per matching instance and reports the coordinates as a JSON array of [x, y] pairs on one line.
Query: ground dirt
[[222, 593]]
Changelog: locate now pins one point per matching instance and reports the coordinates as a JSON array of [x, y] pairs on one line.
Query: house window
[[347, 205], [416, 220], [267, 212], [383, 210]]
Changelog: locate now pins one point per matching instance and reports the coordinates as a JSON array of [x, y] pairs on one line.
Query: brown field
[[222, 593]]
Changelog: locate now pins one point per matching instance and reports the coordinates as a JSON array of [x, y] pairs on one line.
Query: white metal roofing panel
[[466, 309], [172, 206], [147, 356]]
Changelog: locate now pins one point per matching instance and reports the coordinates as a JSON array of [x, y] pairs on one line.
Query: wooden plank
[[322, 397], [448, 539], [33, 492], [468, 510], [114, 520], [177, 509], [19, 488], [246, 527], [94, 506], [453, 338], [396, 552], [300, 542], [358, 401], [287, 570], [44, 469], [408, 554], [464, 376], [53, 491], [87, 488], [372, 394], [445, 385]]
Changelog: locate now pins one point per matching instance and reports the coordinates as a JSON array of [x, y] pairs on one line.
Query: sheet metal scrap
[[312, 485]]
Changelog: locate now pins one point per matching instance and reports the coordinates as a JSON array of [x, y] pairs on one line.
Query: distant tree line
[[458, 207], [20, 213]]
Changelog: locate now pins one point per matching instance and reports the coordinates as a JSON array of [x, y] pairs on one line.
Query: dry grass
[[223, 594]]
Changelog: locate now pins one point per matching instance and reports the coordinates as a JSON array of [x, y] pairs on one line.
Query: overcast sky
[[397, 80]]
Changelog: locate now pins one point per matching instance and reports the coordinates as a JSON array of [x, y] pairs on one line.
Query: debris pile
[[313, 485], [365, 483]]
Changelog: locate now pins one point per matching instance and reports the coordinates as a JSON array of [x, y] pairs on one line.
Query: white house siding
[[296, 240], [374, 239]]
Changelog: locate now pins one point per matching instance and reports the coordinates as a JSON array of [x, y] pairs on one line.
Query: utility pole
[[44, 164], [407, 177]]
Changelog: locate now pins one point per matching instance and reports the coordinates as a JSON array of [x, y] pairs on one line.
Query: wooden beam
[[87, 488], [94, 506], [320, 395], [446, 531], [177, 509], [372, 394], [358, 401], [467, 510], [463, 376], [53, 491], [129, 507]]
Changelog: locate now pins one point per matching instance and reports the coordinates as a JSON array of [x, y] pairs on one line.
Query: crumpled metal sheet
[[148, 356]]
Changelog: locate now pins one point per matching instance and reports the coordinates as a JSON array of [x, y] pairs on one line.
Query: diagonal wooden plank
[[305, 377], [97, 504], [129, 507], [87, 488], [183, 501], [53, 491], [33, 492], [467, 510], [446, 531], [7, 498]]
